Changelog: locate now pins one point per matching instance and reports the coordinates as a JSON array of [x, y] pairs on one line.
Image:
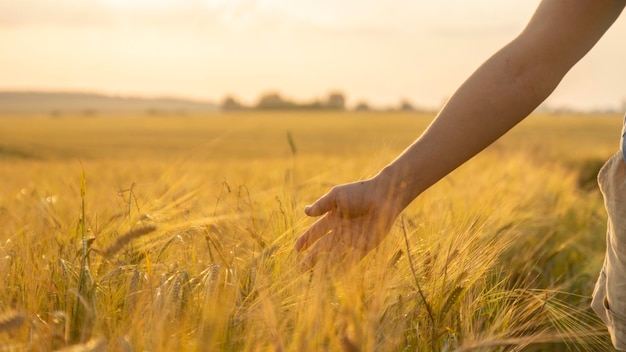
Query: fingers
[[323, 205], [331, 253], [321, 226], [319, 253], [316, 231]]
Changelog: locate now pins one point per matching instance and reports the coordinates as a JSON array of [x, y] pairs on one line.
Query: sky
[[371, 50]]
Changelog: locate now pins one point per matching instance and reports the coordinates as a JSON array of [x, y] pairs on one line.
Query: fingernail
[[307, 209]]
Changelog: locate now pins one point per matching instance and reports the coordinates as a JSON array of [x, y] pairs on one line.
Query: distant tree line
[[335, 101]]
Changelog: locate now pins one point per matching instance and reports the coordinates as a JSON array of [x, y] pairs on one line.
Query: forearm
[[501, 93]]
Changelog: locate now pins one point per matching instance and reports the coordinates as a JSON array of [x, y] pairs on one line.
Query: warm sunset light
[[139, 3], [371, 50], [312, 175]]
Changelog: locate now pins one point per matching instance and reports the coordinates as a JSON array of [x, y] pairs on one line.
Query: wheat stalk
[[126, 238], [133, 290], [84, 314]]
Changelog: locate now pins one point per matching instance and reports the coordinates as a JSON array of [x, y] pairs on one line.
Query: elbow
[[533, 76], [534, 70]]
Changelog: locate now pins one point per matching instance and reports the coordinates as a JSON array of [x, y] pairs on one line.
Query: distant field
[[262, 135], [189, 222]]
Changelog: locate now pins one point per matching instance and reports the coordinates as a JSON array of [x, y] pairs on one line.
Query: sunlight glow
[[372, 50], [125, 4]]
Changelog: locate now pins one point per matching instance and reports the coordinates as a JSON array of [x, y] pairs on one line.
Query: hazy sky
[[375, 50]]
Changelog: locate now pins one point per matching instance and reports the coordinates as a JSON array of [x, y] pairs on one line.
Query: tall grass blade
[[292, 143], [431, 316], [84, 314]]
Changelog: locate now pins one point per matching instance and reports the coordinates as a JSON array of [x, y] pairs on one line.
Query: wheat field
[[135, 233]]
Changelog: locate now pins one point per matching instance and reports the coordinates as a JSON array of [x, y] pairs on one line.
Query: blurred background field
[[260, 135], [189, 223]]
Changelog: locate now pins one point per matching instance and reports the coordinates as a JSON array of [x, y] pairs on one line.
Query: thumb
[[323, 205]]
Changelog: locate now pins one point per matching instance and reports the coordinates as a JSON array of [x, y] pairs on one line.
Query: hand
[[357, 217]]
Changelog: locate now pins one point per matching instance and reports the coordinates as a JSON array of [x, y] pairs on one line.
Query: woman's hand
[[356, 218]]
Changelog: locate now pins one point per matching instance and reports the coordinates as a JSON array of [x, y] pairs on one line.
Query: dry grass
[[196, 219]]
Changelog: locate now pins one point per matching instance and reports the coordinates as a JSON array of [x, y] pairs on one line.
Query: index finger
[[316, 231], [324, 204]]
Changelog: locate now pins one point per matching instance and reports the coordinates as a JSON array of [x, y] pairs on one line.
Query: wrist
[[396, 189]]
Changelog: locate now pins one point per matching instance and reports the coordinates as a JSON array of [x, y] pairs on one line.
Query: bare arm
[[497, 96], [503, 91]]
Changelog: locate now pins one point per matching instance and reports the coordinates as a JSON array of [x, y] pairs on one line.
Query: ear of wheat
[[11, 320], [127, 238]]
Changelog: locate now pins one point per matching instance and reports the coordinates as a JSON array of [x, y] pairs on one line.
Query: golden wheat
[[95, 345], [11, 320], [500, 256], [126, 238]]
